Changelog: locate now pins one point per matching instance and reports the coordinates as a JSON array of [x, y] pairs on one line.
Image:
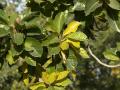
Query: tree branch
[[99, 61]]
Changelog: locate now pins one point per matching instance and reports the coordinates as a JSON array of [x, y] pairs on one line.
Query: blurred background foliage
[[99, 21]]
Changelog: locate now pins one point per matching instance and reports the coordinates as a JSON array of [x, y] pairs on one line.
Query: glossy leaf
[[72, 27], [78, 36]]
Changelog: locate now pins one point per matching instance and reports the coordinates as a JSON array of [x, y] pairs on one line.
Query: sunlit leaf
[[62, 75], [115, 4], [74, 43], [72, 27], [78, 36], [64, 45], [37, 85], [83, 53]]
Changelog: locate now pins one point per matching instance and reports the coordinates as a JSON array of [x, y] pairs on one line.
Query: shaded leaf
[[91, 6], [30, 61]]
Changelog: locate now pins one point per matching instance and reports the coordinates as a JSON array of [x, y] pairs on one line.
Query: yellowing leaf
[[83, 53], [49, 78], [52, 77], [74, 43], [35, 86], [72, 27], [26, 79], [64, 45], [62, 75], [45, 76]]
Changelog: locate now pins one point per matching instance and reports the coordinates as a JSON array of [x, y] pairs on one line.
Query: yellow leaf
[[74, 43], [26, 79], [72, 27], [64, 45], [62, 75], [52, 78], [45, 76], [49, 78], [83, 53], [37, 85]]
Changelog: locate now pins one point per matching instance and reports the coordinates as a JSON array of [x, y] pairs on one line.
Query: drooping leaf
[[72, 27], [78, 36], [91, 6], [83, 53], [30, 61], [114, 4], [18, 38]]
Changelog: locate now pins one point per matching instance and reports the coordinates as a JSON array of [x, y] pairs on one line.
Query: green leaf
[[113, 22], [18, 38], [110, 55], [114, 4], [91, 6], [55, 88], [34, 47], [30, 61], [3, 17], [38, 1], [83, 53], [9, 58], [59, 21], [79, 36], [50, 40], [52, 1], [71, 61], [53, 50], [64, 83], [4, 31], [118, 46], [37, 85]]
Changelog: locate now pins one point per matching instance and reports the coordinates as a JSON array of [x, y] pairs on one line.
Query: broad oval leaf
[[4, 32], [91, 6], [72, 27], [114, 4], [78, 36], [110, 56]]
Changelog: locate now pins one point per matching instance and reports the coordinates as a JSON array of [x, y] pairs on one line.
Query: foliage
[[46, 46]]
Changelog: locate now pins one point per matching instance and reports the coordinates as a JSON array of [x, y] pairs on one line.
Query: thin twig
[[99, 61]]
